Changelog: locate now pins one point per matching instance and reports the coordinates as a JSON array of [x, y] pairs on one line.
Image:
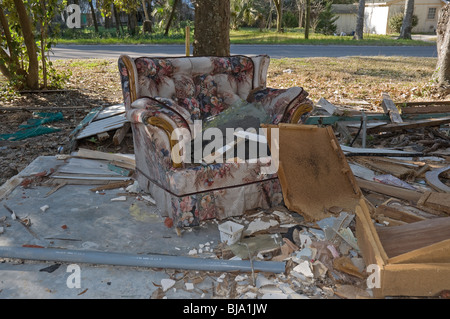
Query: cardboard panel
[[313, 171], [415, 279]]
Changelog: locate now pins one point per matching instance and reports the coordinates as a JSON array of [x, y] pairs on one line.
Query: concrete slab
[[82, 220], [74, 249]]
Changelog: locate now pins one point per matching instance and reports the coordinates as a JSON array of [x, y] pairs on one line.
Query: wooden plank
[[393, 191], [392, 168], [55, 188], [437, 201], [426, 109], [89, 177], [112, 186], [390, 108], [329, 120], [120, 133], [9, 186], [436, 253], [415, 103], [398, 214], [374, 151], [118, 158], [432, 178], [329, 107], [368, 241], [402, 239], [410, 125]]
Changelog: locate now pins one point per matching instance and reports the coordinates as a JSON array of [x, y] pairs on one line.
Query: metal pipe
[[364, 130], [135, 260]]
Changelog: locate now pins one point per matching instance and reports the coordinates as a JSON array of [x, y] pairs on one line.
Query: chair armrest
[[283, 105], [162, 117], [159, 105]]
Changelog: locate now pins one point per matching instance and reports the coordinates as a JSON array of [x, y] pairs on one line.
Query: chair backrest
[[204, 86]]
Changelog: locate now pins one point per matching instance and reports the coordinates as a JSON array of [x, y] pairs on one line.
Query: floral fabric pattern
[[180, 91], [125, 82]]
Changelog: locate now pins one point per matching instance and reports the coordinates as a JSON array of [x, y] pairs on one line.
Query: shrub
[[396, 21], [290, 20], [327, 19]]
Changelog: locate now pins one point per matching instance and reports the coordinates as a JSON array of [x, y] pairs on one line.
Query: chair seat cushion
[[200, 178]]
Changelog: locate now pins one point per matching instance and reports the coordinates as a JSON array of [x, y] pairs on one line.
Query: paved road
[[274, 51]]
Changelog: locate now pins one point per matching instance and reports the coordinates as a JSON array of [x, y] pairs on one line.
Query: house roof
[[345, 8]]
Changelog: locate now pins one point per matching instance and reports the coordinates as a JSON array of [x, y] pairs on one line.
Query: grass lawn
[[242, 36]]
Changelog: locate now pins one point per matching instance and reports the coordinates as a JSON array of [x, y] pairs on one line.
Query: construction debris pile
[[378, 194]]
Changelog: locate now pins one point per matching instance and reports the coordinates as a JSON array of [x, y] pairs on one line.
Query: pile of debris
[[366, 206]]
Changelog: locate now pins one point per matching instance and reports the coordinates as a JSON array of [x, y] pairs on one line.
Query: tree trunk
[[442, 73], [94, 17], [117, 18], [12, 58], [301, 14], [43, 44], [359, 32], [107, 22], [147, 25], [132, 23], [172, 14], [32, 78], [307, 18], [212, 28], [279, 8], [144, 7], [405, 31]]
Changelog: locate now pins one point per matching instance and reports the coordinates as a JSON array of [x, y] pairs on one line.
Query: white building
[[377, 15]]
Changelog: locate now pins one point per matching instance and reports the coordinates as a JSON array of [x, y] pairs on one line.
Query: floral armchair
[[163, 94]]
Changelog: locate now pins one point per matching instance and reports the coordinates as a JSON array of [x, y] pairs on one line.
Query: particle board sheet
[[398, 240], [313, 171], [420, 267]]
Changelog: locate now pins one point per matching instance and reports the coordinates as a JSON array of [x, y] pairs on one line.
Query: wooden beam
[[397, 214], [117, 158], [426, 109], [393, 191], [410, 125], [120, 133], [437, 201], [329, 120], [390, 109]]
